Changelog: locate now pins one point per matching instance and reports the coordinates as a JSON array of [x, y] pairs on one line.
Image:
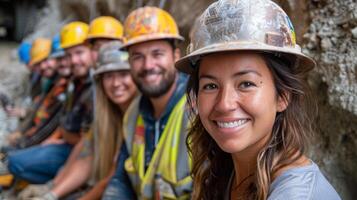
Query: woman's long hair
[[212, 167], [107, 134]]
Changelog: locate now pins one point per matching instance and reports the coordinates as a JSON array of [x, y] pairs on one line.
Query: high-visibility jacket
[[168, 173]]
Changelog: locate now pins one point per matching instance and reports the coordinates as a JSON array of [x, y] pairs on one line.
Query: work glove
[[34, 190]]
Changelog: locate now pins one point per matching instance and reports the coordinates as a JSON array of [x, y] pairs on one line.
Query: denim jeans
[[38, 164], [119, 186]]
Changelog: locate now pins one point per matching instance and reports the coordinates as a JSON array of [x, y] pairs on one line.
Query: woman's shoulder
[[306, 182]]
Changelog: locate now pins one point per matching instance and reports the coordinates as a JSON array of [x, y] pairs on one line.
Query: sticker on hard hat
[[287, 35], [274, 39], [226, 21], [292, 30]]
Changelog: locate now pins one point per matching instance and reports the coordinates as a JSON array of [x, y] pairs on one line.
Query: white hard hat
[[244, 25]]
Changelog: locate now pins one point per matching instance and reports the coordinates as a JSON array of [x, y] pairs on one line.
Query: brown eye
[[209, 86], [246, 85]]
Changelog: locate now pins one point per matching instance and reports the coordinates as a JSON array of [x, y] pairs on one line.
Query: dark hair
[[173, 43], [212, 167]]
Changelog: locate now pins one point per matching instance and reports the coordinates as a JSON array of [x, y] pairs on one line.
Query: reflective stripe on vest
[[168, 173]]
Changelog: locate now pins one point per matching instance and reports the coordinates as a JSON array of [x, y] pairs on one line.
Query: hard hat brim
[[58, 54], [187, 63], [37, 60], [67, 46], [110, 68], [99, 36], [146, 38]]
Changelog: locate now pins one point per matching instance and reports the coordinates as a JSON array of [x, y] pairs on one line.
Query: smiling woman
[[115, 90], [237, 101], [255, 112]]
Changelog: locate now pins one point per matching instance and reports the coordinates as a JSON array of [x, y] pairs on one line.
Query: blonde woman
[[254, 119], [115, 90]]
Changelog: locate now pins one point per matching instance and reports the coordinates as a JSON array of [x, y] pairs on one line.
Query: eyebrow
[[240, 73], [158, 50], [136, 53], [151, 51], [244, 72]]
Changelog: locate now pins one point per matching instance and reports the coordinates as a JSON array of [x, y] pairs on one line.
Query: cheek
[[166, 63], [86, 58], [135, 65], [205, 105], [262, 107], [130, 83], [107, 87], [134, 69]]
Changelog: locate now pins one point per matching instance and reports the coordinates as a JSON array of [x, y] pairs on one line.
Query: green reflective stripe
[[184, 186], [168, 173], [182, 165]]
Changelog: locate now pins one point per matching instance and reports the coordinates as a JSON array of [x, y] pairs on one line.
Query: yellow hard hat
[[41, 49], [149, 23], [73, 34], [243, 25], [105, 27]]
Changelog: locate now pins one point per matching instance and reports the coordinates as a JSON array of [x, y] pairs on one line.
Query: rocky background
[[327, 31]]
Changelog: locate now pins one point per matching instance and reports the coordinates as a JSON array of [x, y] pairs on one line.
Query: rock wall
[[332, 40], [13, 79]]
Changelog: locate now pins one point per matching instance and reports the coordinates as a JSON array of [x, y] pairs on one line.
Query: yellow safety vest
[[168, 173]]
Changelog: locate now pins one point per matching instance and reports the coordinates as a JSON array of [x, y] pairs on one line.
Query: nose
[[149, 62], [43, 65], [117, 81], [227, 100], [74, 59]]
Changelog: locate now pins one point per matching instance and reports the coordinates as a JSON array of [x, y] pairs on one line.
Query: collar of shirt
[[145, 106]]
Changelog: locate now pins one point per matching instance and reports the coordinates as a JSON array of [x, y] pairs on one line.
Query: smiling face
[[119, 87], [48, 67], [152, 66], [237, 100], [81, 59], [64, 66]]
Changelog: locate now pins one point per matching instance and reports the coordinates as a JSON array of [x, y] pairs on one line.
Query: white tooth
[[231, 124]]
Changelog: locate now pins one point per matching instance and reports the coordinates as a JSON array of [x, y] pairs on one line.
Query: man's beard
[[157, 90]]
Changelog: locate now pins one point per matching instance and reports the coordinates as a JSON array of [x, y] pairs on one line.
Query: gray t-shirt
[[300, 183]]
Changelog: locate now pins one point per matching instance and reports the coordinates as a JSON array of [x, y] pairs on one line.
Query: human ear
[[177, 54], [283, 102]]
